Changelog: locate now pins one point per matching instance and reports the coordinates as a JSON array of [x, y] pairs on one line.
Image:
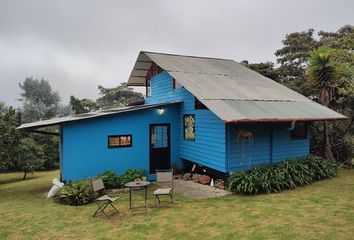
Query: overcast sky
[[78, 45]]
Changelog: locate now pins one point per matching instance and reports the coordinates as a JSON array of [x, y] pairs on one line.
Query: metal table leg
[[130, 198], [145, 197]]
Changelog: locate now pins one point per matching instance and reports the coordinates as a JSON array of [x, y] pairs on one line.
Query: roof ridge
[[189, 56]]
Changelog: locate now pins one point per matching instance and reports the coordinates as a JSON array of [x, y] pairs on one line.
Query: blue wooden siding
[[271, 143], [85, 151], [209, 147]]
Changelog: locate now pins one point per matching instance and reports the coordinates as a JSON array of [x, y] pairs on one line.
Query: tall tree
[[39, 100], [323, 79], [292, 58], [117, 97]]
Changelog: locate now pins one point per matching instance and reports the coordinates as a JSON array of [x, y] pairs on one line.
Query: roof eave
[[277, 120]]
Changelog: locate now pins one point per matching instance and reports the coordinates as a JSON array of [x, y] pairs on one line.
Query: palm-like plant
[[322, 77]]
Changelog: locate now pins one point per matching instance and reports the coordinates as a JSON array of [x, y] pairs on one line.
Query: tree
[[323, 79], [267, 69], [40, 102], [30, 156], [82, 105], [117, 97], [293, 59], [9, 137]]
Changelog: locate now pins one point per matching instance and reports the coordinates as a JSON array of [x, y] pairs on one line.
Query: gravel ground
[[196, 190]]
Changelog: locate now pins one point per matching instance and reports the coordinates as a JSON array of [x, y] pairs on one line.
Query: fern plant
[[284, 175]]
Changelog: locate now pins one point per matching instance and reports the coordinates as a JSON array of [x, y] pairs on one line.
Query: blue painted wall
[[85, 151], [209, 147], [271, 143]]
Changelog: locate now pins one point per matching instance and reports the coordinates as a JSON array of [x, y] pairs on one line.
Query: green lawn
[[322, 210]]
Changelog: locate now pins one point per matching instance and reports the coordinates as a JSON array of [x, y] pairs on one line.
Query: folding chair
[[164, 177], [102, 199]]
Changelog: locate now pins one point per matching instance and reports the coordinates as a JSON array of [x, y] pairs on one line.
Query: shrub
[[285, 175], [77, 193], [130, 175], [111, 179]]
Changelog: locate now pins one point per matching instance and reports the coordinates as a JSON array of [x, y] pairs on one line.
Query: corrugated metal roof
[[239, 111], [215, 81], [84, 116]]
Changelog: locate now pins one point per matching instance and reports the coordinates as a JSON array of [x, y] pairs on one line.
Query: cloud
[[78, 45]]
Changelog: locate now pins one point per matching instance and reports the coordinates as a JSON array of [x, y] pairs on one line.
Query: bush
[[77, 193], [285, 175], [130, 175], [110, 179]]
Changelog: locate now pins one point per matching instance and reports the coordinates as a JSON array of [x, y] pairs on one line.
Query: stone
[[187, 176]]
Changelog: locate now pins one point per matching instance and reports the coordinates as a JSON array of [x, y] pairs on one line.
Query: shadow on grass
[[18, 178]]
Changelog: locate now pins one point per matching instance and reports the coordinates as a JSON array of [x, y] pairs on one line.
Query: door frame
[[168, 138]]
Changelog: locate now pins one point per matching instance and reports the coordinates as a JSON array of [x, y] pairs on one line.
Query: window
[[148, 88], [189, 127], [119, 141], [176, 84], [152, 71], [198, 104], [300, 131]]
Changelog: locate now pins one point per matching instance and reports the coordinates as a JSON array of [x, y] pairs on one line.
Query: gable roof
[[232, 91]]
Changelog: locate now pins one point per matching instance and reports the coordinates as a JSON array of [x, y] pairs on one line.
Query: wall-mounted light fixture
[[161, 111]]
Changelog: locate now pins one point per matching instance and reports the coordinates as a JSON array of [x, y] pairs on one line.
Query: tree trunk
[[327, 151], [24, 176]]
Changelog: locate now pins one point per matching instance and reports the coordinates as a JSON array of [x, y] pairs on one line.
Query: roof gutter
[[284, 120]]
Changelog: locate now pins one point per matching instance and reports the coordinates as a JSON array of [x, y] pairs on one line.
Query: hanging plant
[[245, 140]]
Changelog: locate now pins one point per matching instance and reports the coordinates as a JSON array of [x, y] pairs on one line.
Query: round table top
[[133, 184]]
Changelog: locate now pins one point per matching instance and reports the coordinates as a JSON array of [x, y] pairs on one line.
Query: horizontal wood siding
[[271, 143], [247, 154], [209, 147], [284, 147]]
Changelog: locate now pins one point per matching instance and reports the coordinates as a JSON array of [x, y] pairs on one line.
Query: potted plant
[[137, 181]]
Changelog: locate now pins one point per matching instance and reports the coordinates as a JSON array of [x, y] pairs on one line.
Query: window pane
[[159, 137], [119, 141]]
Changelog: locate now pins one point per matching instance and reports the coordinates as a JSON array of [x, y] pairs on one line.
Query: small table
[[133, 185]]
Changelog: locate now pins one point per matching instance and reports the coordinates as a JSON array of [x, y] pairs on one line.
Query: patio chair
[[164, 177], [102, 199]]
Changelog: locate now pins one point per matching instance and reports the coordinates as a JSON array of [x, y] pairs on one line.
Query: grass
[[322, 210]]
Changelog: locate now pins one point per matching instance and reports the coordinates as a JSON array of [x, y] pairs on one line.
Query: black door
[[160, 151]]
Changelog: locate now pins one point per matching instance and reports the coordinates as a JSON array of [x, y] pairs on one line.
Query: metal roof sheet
[[243, 111], [90, 115], [232, 91]]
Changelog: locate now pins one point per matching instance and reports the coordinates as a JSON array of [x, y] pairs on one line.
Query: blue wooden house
[[214, 113]]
